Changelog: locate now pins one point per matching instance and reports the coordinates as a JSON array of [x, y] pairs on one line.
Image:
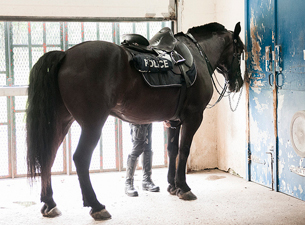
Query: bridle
[[236, 56]]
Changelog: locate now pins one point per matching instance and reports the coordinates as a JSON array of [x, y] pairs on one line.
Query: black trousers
[[141, 138]]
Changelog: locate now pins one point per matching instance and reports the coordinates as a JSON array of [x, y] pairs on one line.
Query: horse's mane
[[207, 29]]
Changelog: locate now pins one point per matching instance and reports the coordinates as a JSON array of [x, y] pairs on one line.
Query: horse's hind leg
[[82, 158], [49, 208], [172, 149]]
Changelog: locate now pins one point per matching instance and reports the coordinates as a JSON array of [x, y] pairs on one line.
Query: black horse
[[93, 80]]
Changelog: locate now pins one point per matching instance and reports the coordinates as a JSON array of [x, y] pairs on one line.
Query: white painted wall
[[221, 139], [86, 8]]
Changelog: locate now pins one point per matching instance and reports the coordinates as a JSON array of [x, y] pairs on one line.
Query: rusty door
[[260, 32], [276, 62], [290, 79]]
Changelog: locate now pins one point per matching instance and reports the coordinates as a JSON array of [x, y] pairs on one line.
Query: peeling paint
[[290, 155], [261, 136], [256, 48], [280, 101], [300, 189], [281, 165], [281, 141], [298, 170], [256, 86], [260, 107], [283, 185]]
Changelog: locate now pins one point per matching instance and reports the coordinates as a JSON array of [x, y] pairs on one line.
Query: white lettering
[[161, 63], [151, 63], [146, 62], [166, 64], [156, 65]]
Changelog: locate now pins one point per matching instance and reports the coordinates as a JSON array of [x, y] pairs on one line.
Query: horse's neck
[[213, 48]]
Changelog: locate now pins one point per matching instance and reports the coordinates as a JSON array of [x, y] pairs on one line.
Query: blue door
[[276, 62], [260, 30], [290, 79]]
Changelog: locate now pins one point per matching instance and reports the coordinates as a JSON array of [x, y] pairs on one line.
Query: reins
[[211, 72]]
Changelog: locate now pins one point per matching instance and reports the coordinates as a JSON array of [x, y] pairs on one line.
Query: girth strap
[[182, 95]]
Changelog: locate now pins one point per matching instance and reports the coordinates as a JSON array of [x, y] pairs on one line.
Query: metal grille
[[2, 55], [24, 43], [4, 150]]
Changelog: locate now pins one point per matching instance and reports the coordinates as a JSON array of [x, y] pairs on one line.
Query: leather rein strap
[[211, 71], [202, 53]]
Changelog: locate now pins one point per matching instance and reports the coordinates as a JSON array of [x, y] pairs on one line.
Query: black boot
[[147, 183], [130, 170]]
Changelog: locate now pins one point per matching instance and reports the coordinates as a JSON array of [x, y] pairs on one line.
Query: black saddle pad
[[161, 71], [169, 78]]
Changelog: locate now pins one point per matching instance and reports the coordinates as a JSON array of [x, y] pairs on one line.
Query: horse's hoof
[[186, 195], [51, 213], [172, 190], [101, 215]]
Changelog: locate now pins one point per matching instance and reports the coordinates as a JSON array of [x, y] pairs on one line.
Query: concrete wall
[[86, 9], [221, 139]]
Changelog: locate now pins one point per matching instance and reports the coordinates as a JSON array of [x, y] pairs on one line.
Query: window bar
[[30, 45], [97, 31], [62, 36], [113, 32], [7, 30], [65, 34], [44, 37], [148, 32], [118, 144], [69, 150], [134, 28], [117, 34], [10, 102], [101, 152], [82, 31]]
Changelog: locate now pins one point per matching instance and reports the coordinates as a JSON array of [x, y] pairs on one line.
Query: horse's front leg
[[172, 149], [82, 158], [189, 128]]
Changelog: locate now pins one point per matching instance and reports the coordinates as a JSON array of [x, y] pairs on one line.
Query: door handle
[[279, 79]]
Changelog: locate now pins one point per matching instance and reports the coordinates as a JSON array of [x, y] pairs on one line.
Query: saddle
[[163, 60]]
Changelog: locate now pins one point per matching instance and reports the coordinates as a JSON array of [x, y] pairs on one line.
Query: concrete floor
[[222, 199]]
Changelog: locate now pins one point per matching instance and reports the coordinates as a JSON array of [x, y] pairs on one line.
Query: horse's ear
[[237, 30]]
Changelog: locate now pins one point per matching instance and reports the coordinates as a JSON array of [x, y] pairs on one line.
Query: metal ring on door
[[270, 80], [277, 76]]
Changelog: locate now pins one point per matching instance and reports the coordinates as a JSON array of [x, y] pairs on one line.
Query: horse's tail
[[43, 95]]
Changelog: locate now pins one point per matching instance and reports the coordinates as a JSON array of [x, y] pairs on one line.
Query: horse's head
[[229, 62], [223, 48]]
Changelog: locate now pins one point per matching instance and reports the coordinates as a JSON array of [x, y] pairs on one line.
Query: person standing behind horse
[[141, 143]]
